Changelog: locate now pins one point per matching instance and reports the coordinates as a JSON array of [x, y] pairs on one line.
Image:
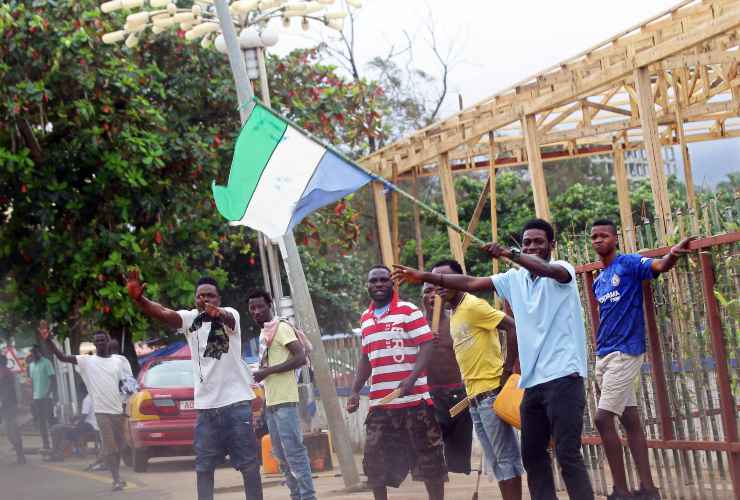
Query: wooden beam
[[651, 140], [562, 116], [417, 224], [598, 148], [714, 57], [574, 79], [687, 171], [450, 204], [394, 218], [695, 112], [473, 224], [623, 197], [384, 231], [534, 159], [604, 107], [492, 185]]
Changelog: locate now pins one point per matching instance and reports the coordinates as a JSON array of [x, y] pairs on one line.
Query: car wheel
[[127, 456], [140, 459]]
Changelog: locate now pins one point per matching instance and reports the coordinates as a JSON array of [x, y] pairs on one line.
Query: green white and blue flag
[[279, 175]]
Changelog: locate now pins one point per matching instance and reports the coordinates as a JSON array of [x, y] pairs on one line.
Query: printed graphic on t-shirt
[[395, 343], [218, 339], [462, 338]]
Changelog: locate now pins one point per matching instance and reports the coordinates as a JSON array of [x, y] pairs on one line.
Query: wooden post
[[417, 224], [678, 101], [473, 224], [394, 217], [534, 160], [450, 204], [623, 196], [651, 141], [492, 184], [384, 232]]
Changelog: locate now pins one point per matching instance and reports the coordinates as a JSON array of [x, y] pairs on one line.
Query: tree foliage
[[107, 155]]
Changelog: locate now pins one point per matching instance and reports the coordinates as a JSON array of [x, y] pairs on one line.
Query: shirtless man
[[447, 389]]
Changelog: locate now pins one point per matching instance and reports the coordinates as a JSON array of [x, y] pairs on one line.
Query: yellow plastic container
[[508, 401], [270, 464]]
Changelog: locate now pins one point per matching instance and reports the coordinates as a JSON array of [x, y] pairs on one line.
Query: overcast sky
[[496, 43]]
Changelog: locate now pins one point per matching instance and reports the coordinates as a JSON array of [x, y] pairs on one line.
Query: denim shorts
[[498, 440], [222, 431]]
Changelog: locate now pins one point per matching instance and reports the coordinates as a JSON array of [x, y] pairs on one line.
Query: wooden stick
[[459, 407], [390, 397], [436, 313]]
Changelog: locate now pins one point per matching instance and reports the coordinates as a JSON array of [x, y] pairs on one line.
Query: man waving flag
[[279, 175]]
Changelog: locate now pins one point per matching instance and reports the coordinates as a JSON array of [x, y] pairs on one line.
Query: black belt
[[280, 405], [478, 398]]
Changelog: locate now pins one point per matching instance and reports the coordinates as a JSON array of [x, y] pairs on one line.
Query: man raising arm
[[222, 384]]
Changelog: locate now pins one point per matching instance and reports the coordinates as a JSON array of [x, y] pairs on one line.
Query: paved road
[[175, 478]]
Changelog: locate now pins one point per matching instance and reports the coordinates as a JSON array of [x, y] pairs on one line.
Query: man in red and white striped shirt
[[402, 435]]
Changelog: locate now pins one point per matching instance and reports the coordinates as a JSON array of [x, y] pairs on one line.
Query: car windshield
[[169, 373]]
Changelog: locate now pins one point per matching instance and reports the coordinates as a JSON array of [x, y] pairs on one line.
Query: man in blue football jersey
[[620, 351]]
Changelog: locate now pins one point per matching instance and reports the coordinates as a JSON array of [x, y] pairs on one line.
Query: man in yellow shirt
[[281, 353], [473, 327]]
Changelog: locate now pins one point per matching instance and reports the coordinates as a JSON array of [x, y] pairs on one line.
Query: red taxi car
[[161, 415]]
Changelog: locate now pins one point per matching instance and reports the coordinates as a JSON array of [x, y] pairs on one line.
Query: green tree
[[106, 160]]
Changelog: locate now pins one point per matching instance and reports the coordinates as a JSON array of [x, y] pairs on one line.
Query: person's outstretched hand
[[403, 274], [496, 251], [213, 311], [682, 248], [134, 286]]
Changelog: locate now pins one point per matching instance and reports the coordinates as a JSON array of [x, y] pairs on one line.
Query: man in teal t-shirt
[[43, 380]]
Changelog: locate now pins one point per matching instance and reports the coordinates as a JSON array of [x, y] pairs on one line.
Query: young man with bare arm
[[620, 352], [447, 389]]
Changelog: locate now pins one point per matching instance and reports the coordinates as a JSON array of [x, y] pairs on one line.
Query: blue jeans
[[498, 440], [222, 431], [287, 447]]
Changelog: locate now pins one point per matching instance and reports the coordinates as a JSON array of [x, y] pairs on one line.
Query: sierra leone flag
[[279, 175]]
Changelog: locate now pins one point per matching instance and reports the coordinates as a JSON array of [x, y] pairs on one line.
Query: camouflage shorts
[[403, 440]]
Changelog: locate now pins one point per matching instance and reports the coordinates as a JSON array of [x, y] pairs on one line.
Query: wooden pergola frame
[[672, 79]]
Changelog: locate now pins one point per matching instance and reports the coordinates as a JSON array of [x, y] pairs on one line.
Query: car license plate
[[187, 405]]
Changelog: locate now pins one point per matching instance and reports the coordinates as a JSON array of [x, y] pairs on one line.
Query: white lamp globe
[[269, 37], [220, 44], [249, 38]]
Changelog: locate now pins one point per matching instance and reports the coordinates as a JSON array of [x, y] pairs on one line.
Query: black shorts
[[403, 440], [457, 432]]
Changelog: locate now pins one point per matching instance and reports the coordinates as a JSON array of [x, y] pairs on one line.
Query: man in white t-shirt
[[222, 381], [102, 374]]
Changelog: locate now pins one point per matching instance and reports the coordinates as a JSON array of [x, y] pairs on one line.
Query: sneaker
[[119, 485], [53, 458], [619, 496], [645, 494]]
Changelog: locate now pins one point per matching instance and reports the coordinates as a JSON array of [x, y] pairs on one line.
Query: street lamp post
[[215, 23]]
